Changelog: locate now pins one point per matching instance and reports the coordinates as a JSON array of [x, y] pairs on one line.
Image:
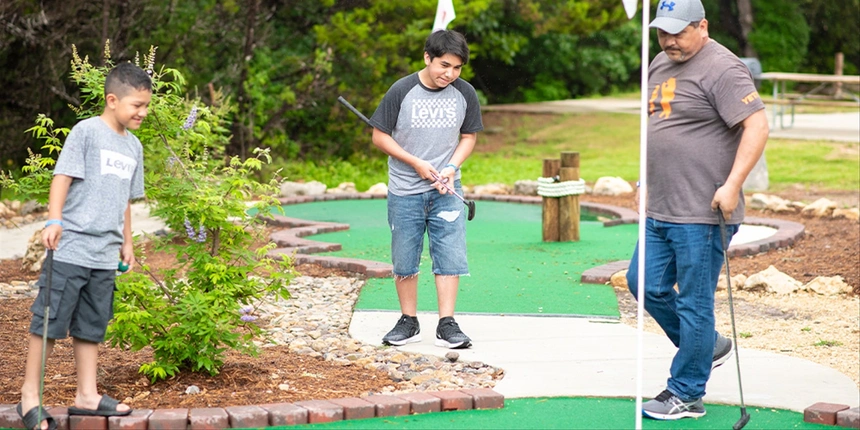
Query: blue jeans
[[442, 217], [690, 255]]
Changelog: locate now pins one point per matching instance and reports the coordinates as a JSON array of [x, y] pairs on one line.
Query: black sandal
[[31, 418]]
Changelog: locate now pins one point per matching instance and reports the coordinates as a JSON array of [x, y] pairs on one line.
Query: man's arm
[[56, 200], [751, 147]]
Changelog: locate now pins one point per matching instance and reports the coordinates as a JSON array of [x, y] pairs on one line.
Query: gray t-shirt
[[694, 130], [427, 124], [107, 172]]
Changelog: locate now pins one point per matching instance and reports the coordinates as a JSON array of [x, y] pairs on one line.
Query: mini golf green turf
[[512, 270], [575, 413]]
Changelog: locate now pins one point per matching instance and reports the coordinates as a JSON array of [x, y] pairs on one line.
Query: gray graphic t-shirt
[[427, 124], [107, 172], [694, 130]]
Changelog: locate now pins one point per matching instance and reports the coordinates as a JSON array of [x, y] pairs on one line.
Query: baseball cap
[[674, 15]]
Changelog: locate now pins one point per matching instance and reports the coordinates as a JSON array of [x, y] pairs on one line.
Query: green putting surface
[[512, 270], [575, 413]]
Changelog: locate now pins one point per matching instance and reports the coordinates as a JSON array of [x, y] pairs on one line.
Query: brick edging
[[787, 233], [279, 414]]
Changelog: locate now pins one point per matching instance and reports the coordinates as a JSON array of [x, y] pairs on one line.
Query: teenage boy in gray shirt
[[428, 123], [98, 172]]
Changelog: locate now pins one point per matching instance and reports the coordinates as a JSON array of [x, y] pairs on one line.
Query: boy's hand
[[126, 253], [447, 176], [51, 236]]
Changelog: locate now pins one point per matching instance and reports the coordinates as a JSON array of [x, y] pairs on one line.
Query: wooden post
[[839, 65], [568, 211], [550, 204]]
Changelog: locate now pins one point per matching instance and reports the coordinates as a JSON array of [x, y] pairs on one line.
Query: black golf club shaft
[[469, 204], [745, 417]]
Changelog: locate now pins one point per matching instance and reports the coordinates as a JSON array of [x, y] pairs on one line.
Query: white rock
[[494, 189], [342, 188], [828, 286], [192, 389], [822, 207], [611, 186], [379, 188], [737, 282], [525, 188], [852, 214], [772, 280], [313, 188]]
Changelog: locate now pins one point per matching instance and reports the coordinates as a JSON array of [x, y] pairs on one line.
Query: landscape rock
[[493, 189], [525, 187], [619, 279], [379, 188], [737, 282], [772, 280], [772, 203], [852, 214], [820, 208], [343, 188], [292, 189], [828, 285], [611, 186], [35, 255]]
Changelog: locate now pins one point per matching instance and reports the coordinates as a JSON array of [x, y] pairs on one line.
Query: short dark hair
[[443, 42], [126, 76]]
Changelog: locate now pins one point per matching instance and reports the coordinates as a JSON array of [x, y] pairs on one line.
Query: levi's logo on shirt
[[434, 113], [114, 163]]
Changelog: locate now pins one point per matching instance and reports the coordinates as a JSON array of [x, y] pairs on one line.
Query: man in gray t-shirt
[[707, 128], [427, 123]]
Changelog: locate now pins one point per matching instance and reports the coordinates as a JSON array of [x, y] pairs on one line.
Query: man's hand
[[726, 199], [51, 236]]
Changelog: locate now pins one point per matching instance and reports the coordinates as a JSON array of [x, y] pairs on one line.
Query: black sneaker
[[723, 349], [667, 406], [405, 331], [449, 335]]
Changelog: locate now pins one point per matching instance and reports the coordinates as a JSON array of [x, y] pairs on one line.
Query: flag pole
[[643, 195]]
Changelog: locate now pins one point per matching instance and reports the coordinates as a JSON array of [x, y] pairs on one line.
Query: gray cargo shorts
[[81, 302]]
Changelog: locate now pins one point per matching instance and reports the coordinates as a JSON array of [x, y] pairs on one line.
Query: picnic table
[[843, 97]]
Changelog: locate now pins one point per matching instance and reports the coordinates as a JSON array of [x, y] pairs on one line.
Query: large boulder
[[828, 286], [292, 189], [525, 188], [611, 186], [342, 188], [737, 282], [378, 188], [820, 208], [772, 280]]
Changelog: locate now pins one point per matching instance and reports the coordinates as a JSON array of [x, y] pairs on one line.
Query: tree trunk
[[745, 18], [105, 20], [243, 130]]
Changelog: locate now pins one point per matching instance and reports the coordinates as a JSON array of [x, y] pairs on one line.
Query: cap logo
[[670, 6]]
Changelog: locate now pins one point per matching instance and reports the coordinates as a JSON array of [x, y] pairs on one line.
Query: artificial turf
[[512, 270]]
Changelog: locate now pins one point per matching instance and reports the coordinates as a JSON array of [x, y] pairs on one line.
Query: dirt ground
[[821, 329]]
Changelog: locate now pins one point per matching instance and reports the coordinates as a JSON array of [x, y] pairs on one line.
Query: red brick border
[[305, 412]]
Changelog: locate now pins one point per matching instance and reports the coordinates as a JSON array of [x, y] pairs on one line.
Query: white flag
[[630, 7], [444, 14]]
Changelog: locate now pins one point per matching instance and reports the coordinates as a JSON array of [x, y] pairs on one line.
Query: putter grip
[[353, 109]]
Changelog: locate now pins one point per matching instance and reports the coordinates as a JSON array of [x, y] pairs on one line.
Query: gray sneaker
[[405, 331], [449, 335], [667, 406], [723, 349]]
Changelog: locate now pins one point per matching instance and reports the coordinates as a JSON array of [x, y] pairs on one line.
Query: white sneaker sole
[[719, 362], [671, 417], [413, 339], [459, 345]]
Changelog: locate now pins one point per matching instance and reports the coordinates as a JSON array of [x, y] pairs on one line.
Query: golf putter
[[469, 203], [745, 417], [49, 267]]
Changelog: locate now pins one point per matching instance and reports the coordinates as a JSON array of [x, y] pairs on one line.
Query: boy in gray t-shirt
[[427, 123], [98, 172]]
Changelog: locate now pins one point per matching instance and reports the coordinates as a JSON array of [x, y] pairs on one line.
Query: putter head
[[471, 205], [745, 418]]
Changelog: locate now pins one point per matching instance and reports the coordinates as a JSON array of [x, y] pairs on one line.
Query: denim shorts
[[81, 302], [443, 218]]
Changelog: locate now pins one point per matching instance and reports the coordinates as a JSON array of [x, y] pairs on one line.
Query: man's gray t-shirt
[[694, 131], [426, 123], [107, 172]]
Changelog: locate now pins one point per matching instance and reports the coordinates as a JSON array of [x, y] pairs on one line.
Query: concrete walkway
[[559, 356]]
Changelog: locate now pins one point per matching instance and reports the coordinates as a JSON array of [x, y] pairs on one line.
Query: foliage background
[[281, 64]]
